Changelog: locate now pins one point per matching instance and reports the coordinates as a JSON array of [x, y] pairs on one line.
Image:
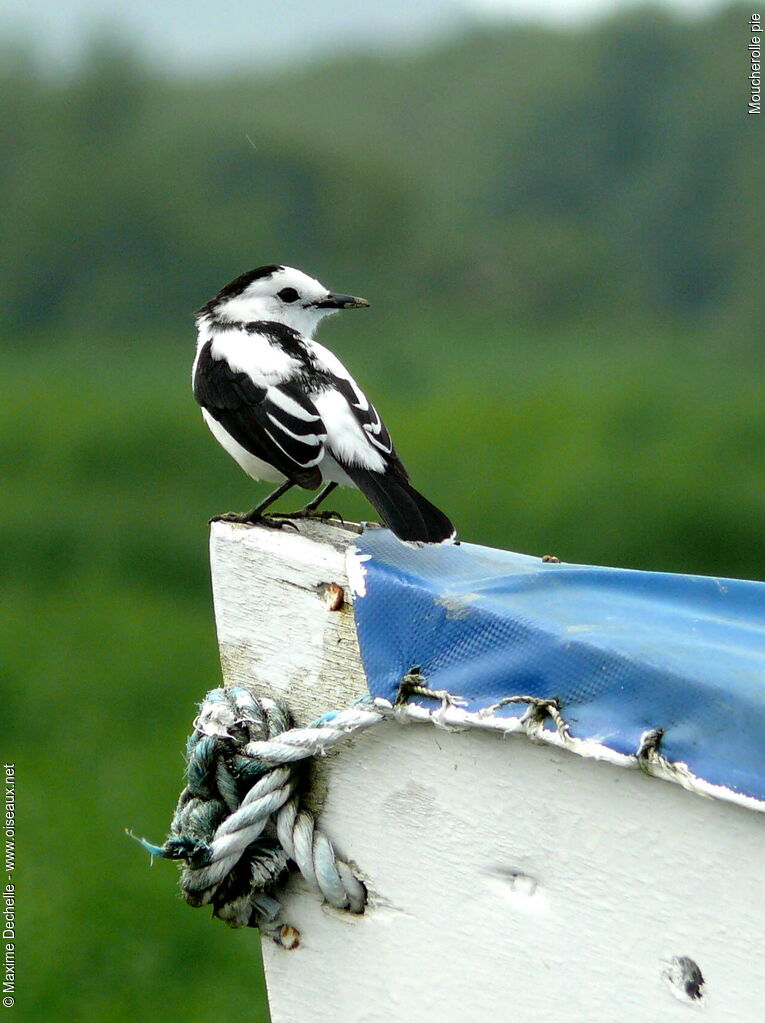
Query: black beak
[[334, 301]]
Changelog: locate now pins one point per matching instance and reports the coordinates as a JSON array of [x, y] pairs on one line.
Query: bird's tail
[[402, 508]]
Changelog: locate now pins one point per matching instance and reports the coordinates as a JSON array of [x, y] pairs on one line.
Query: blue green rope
[[238, 824]]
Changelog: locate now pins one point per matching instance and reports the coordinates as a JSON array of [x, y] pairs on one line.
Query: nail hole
[[685, 979]]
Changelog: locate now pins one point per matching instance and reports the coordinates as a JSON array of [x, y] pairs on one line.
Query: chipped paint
[[354, 566]]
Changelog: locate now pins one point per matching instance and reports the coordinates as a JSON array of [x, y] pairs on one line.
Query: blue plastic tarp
[[621, 651]]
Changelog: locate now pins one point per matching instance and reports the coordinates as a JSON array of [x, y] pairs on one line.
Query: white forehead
[[286, 277]]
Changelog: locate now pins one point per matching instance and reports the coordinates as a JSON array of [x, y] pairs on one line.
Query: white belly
[[254, 467], [330, 471]]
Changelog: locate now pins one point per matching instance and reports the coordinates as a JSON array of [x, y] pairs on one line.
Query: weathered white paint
[[508, 880]]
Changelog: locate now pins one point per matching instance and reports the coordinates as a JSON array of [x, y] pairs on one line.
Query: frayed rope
[[239, 820]]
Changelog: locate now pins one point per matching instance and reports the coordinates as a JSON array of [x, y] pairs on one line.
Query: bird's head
[[278, 293]]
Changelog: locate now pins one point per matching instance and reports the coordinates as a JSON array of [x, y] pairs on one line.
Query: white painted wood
[[508, 881]]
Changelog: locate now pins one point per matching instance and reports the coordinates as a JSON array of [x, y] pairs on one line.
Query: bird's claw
[[314, 513], [229, 517], [277, 522], [324, 515], [248, 519]]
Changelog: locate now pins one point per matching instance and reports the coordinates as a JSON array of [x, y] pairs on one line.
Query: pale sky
[[198, 35], [574, 10]]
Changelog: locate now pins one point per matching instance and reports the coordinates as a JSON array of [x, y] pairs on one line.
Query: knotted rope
[[239, 818]]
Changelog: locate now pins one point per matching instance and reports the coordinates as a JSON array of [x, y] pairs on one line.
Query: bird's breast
[[253, 354]]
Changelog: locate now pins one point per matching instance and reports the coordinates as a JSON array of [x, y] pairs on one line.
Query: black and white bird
[[288, 411]]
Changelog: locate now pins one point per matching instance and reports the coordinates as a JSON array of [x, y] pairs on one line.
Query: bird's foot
[[325, 515], [314, 513], [229, 517], [254, 519], [276, 521]]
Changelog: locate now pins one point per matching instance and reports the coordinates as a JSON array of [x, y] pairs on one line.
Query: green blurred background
[[559, 229]]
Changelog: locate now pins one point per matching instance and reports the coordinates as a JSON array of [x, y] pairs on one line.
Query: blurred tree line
[[528, 175]]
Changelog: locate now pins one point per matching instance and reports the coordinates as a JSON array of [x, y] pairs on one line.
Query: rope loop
[[239, 820]]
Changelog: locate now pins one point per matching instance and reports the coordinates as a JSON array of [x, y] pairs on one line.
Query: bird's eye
[[288, 294]]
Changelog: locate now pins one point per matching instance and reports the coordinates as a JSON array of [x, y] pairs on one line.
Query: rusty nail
[[334, 596], [288, 937]]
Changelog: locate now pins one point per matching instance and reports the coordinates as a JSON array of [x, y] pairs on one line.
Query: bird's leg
[[310, 512], [256, 514], [311, 507]]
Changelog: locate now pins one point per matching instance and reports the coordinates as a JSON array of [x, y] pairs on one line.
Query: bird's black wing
[[277, 423]]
